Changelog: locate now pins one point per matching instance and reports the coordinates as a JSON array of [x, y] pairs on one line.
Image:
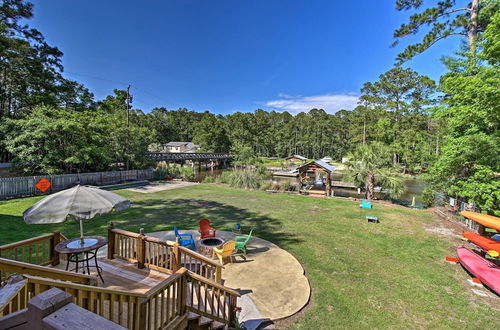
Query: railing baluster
[[169, 297]]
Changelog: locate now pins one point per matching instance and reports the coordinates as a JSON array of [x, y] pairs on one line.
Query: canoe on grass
[[486, 271], [483, 241], [489, 221]]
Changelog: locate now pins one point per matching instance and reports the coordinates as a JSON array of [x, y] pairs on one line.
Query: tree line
[[50, 124]]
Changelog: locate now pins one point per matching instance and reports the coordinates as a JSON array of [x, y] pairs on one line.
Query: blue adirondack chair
[[187, 242], [366, 204]]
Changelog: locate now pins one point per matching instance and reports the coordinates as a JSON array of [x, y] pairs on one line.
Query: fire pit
[[206, 245]]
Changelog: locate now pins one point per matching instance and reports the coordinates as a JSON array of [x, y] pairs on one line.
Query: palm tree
[[370, 166]]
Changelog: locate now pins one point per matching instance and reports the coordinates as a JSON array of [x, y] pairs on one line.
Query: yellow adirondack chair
[[226, 251]]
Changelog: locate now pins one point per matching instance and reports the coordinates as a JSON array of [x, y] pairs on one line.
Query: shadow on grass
[[161, 214]]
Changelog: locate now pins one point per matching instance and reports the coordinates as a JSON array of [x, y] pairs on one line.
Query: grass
[[363, 275]]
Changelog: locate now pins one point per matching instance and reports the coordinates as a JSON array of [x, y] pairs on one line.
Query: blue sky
[[229, 55]]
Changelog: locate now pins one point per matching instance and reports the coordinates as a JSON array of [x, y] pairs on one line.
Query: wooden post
[[141, 249], [45, 304], [143, 312], [328, 185], [176, 264], [183, 293], [232, 306], [218, 275], [111, 241], [54, 256]]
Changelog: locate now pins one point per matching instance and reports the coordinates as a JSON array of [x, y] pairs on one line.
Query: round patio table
[[82, 252]]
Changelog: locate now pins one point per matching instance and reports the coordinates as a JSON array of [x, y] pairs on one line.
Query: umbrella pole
[[81, 231]]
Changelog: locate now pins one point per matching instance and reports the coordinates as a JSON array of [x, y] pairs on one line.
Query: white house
[[181, 147]]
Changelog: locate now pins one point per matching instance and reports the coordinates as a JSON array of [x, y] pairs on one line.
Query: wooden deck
[[175, 281], [122, 275]]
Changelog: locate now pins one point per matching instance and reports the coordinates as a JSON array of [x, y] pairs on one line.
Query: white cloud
[[331, 103]]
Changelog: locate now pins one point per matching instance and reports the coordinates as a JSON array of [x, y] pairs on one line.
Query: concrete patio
[[271, 277]]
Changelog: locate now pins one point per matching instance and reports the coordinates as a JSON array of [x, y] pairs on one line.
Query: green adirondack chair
[[241, 242]]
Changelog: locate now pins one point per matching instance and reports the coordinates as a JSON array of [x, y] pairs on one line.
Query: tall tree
[[446, 18], [30, 69], [472, 112], [210, 133], [405, 96]]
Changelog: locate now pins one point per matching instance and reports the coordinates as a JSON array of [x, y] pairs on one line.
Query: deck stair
[[198, 322]]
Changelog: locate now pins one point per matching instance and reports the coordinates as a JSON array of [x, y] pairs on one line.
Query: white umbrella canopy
[[80, 202]]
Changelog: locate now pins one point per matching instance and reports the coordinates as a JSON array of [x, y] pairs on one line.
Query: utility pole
[[364, 130], [129, 99]]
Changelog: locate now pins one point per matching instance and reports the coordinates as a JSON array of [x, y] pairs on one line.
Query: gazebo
[[322, 177]]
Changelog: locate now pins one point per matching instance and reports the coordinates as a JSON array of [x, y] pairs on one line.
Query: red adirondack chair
[[205, 229]]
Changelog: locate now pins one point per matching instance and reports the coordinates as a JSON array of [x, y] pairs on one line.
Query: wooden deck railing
[[199, 264], [37, 250], [122, 307], [191, 287], [8, 267], [123, 244], [166, 301], [159, 308], [160, 255], [13, 297], [211, 299]]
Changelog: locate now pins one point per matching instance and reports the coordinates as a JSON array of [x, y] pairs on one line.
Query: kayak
[[483, 241], [486, 271], [489, 221]]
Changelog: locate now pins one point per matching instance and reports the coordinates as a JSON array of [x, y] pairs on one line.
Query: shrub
[[428, 197], [160, 173], [223, 177], [173, 171], [261, 169], [245, 179], [275, 186], [209, 179], [265, 186], [285, 186], [187, 173]]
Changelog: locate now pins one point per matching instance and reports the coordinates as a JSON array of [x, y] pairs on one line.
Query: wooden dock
[[287, 174], [341, 184]]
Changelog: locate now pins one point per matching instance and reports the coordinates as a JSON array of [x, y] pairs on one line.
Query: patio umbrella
[[79, 202]]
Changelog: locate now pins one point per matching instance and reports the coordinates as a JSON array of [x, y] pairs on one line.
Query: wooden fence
[[26, 185]]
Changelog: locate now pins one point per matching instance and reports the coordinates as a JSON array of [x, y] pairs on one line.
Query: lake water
[[414, 187]]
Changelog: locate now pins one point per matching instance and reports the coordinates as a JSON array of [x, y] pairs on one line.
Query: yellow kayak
[[489, 221]]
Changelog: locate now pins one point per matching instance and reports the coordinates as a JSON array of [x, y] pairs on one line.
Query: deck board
[[122, 275]]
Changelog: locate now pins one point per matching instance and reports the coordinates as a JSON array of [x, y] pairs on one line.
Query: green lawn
[[363, 275]]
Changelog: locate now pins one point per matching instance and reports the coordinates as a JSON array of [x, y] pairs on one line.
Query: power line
[[121, 83], [97, 78], [150, 94]]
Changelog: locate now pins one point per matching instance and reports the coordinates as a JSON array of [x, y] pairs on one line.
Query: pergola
[[320, 168]]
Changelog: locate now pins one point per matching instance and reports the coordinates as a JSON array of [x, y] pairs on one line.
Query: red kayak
[[484, 270], [483, 241]]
